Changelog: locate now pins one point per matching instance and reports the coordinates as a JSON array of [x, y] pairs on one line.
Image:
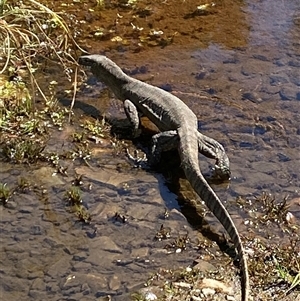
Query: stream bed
[[240, 74]]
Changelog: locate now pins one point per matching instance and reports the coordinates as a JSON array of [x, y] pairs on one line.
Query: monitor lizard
[[178, 127]]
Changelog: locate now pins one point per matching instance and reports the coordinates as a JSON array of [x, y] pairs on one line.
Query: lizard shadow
[[173, 175], [176, 182]]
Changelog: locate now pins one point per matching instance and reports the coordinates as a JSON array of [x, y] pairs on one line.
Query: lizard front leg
[[133, 116]]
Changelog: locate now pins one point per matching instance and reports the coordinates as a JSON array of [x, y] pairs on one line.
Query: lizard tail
[[190, 163]]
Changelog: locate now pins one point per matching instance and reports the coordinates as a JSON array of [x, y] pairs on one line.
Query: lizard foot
[[138, 161], [221, 172]]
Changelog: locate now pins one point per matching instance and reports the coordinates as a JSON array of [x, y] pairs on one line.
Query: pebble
[[26, 209], [105, 243], [252, 96], [81, 266], [140, 252], [10, 205], [204, 265], [208, 292], [37, 294], [38, 285], [166, 87], [60, 267], [114, 283], [35, 275], [80, 256], [260, 57], [276, 80], [36, 230], [85, 289]]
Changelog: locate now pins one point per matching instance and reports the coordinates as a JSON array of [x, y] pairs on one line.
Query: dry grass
[[30, 34]]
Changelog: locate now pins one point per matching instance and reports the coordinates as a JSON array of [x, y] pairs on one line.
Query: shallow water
[[240, 75]]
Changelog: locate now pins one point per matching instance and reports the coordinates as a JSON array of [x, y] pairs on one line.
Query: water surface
[[237, 67]]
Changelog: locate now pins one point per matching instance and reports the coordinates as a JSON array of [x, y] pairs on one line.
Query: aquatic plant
[[5, 193], [74, 199], [22, 151]]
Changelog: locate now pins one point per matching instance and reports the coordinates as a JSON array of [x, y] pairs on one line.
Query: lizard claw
[[221, 172], [138, 161]]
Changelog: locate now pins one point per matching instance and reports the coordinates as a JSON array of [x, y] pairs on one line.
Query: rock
[[140, 252], [283, 158], [260, 57], [215, 285], [80, 256], [276, 80], [37, 295], [36, 230], [26, 209], [177, 215], [103, 210], [231, 60], [267, 167], [150, 293], [200, 75], [60, 267], [35, 275], [295, 78], [45, 176], [208, 292], [51, 242], [38, 284], [81, 266], [99, 258], [85, 289], [10, 204], [14, 284], [204, 266], [294, 63], [95, 281], [105, 243], [287, 93], [104, 175], [279, 62], [252, 96], [166, 87]]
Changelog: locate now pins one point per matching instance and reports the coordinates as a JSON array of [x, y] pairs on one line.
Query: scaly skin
[[178, 126]]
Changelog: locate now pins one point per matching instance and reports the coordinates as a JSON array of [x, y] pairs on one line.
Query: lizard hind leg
[[162, 142], [214, 150]]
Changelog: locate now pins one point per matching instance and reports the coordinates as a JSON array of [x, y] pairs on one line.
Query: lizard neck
[[112, 76]]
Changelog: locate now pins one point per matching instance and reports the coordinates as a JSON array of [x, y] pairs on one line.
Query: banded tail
[[190, 164]]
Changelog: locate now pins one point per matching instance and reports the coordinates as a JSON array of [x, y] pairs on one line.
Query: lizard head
[[100, 66], [93, 60]]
